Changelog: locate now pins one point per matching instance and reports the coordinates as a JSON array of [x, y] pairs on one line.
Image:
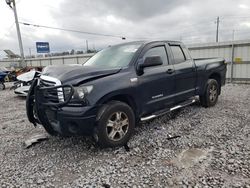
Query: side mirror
[[149, 62], [152, 61]]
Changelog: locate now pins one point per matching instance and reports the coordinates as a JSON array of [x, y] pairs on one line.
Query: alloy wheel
[[117, 126], [213, 93]]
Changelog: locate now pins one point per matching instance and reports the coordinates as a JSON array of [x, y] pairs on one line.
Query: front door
[[156, 84]]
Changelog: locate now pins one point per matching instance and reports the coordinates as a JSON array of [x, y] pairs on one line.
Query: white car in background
[[22, 85]]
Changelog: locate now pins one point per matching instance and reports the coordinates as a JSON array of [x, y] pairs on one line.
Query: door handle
[[170, 71]]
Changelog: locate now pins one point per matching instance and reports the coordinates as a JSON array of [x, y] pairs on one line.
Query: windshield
[[114, 57]]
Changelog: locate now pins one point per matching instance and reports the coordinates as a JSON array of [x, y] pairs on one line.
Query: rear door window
[[178, 54], [187, 54]]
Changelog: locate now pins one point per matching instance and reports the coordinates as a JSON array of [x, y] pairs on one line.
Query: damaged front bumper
[[44, 105]]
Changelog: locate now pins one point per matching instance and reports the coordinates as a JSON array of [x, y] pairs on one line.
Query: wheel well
[[126, 99], [217, 77]]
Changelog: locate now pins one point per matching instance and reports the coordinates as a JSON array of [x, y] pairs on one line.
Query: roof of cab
[[153, 41]]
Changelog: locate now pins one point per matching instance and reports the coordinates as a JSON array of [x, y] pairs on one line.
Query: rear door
[[156, 84], [185, 72]]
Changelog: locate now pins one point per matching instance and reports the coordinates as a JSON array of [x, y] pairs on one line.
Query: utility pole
[[233, 35], [30, 52], [13, 3], [87, 46], [232, 63], [217, 30]]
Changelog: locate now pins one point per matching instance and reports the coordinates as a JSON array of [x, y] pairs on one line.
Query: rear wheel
[[2, 86], [211, 94], [115, 125]]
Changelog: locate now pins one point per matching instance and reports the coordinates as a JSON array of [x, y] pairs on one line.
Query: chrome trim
[[157, 96], [176, 107], [51, 79], [148, 118], [133, 79], [57, 83], [171, 109]]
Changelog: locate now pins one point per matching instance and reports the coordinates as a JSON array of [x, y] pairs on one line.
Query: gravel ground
[[213, 150]]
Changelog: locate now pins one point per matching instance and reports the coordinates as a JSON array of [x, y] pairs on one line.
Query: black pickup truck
[[121, 86]]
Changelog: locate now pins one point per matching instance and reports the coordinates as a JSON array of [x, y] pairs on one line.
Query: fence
[[55, 60], [236, 54]]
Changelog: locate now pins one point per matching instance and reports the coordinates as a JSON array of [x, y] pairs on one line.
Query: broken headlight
[[80, 92]]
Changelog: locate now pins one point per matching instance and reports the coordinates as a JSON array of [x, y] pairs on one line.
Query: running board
[[160, 113]]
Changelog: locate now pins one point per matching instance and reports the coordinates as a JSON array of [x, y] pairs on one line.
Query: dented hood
[[77, 74]]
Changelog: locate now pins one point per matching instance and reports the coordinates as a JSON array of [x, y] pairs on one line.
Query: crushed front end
[[60, 109]]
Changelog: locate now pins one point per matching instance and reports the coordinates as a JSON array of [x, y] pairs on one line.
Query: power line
[[185, 27], [72, 30], [108, 35], [196, 33], [235, 16]]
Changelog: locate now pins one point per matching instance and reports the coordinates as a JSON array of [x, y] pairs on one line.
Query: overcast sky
[[192, 21]]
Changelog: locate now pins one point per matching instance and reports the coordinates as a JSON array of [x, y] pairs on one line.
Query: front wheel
[[211, 94], [115, 124]]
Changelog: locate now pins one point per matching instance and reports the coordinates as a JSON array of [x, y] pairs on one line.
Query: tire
[[211, 94], [115, 124], [2, 86]]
